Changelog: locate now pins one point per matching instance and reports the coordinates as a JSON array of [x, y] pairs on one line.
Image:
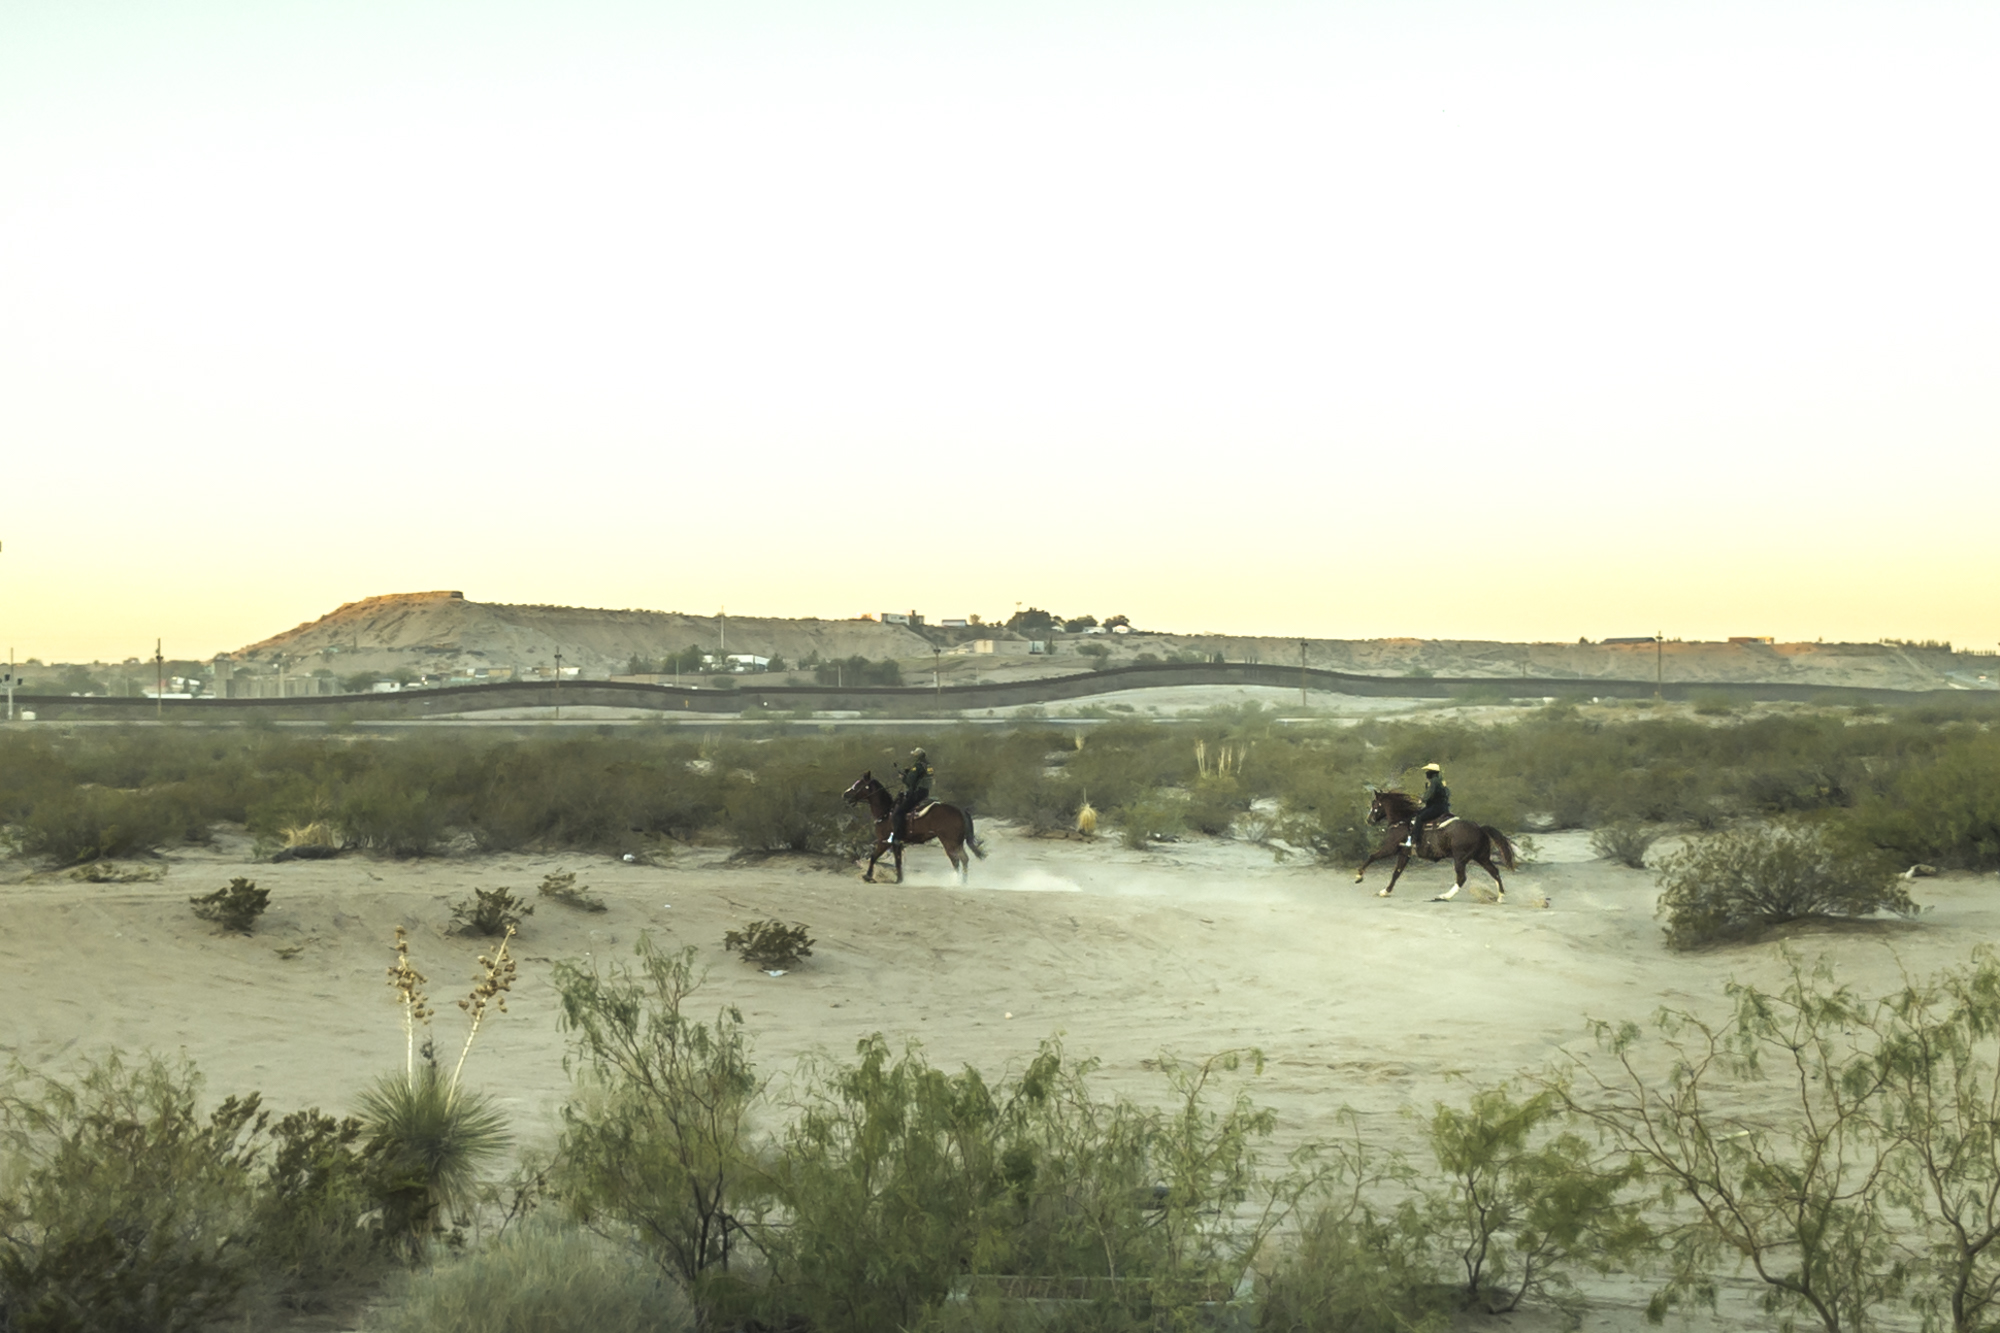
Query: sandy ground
[[1190, 949]]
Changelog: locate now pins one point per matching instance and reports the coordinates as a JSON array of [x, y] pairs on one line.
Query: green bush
[[770, 944], [91, 823], [1762, 1142], [1728, 884], [490, 912], [393, 812], [235, 907], [655, 1141], [316, 1192], [540, 1278], [1353, 1266], [896, 1179], [790, 808], [1519, 1202], [1945, 811], [561, 886], [124, 1207], [1156, 816], [1624, 842]]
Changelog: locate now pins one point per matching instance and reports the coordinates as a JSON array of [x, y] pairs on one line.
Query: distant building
[[1640, 638], [952, 624], [1750, 638]]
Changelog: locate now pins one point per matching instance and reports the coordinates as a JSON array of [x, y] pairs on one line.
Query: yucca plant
[[430, 1137]]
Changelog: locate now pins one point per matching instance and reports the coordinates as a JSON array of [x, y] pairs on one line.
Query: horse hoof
[[1381, 893]]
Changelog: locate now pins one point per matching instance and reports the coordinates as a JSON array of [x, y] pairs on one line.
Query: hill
[[446, 634]]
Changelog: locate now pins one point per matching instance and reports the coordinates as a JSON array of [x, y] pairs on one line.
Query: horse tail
[[971, 838], [1500, 841]]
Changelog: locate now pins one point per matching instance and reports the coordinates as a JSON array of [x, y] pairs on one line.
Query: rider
[[1437, 804], [916, 790]]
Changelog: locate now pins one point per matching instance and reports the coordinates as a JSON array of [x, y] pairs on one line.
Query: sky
[[1445, 318]]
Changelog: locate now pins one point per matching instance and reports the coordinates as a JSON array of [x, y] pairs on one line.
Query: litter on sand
[[769, 973]]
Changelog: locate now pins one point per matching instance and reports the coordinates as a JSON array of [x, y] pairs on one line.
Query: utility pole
[[722, 635], [159, 683], [1302, 673], [1659, 660], [937, 674], [558, 684], [10, 683]]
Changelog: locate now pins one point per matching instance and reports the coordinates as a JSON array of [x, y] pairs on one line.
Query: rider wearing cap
[[1437, 805], [916, 790]]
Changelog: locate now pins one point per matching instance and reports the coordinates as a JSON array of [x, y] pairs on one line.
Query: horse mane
[[1400, 804]]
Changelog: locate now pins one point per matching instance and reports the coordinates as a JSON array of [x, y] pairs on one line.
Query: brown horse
[[951, 826], [1459, 839]]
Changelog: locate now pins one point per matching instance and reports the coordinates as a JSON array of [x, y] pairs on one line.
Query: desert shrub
[[1713, 704], [536, 1278], [386, 811], [1730, 883], [1624, 842], [89, 823], [490, 912], [896, 1178], [1518, 1202], [1797, 1185], [1352, 1267], [124, 1207], [316, 1191], [1042, 803], [235, 907], [1122, 762], [655, 1139], [561, 886], [1214, 804], [1156, 816], [592, 793], [1945, 811], [786, 807], [770, 944]]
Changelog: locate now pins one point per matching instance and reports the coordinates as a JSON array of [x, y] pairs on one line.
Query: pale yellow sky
[[1447, 319]]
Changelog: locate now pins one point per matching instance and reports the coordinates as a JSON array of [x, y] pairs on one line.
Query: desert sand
[[1190, 949]]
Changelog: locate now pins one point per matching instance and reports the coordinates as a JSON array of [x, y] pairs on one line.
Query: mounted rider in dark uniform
[[1437, 805], [916, 790]]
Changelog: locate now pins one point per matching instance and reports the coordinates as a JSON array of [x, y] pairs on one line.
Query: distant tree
[[1078, 625], [1115, 622], [1034, 620], [777, 663], [359, 683], [639, 666]]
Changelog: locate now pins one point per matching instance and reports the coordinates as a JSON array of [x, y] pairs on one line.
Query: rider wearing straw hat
[[916, 790], [1437, 805]]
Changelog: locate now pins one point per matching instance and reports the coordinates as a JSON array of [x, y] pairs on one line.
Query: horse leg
[[1458, 871], [960, 862], [1500, 888], [1402, 860], [898, 849], [868, 875]]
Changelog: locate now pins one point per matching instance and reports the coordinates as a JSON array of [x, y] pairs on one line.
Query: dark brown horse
[[1459, 839], [951, 826]]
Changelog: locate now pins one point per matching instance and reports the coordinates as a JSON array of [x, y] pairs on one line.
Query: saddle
[[1422, 840]]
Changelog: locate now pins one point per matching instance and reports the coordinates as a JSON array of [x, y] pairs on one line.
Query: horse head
[[864, 787], [1388, 807]]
